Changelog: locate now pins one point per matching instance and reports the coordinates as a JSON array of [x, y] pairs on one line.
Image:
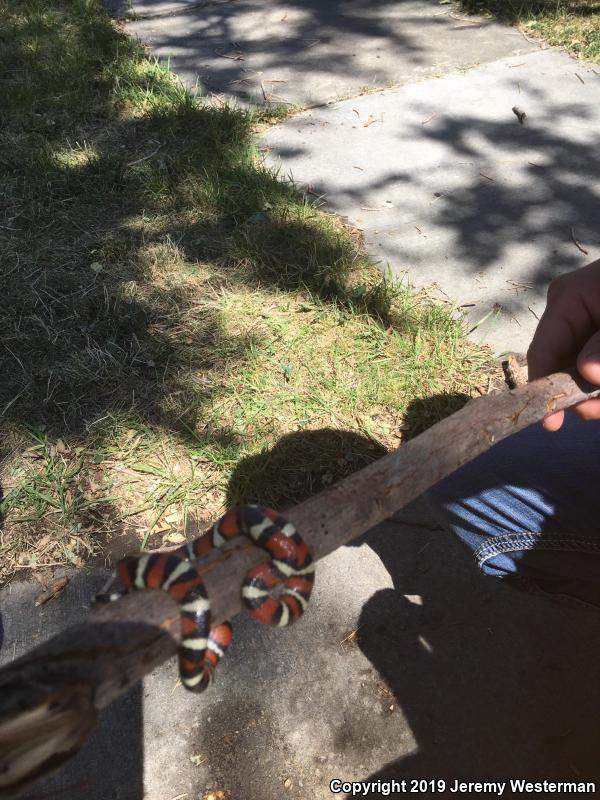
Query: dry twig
[[577, 244], [519, 114]]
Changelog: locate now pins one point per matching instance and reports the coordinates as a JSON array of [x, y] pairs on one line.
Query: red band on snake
[[291, 567]]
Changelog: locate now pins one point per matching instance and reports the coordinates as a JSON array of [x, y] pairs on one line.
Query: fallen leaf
[[161, 528], [53, 590], [175, 537], [43, 541], [216, 794]]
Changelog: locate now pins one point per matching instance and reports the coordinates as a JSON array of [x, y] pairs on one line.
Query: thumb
[[588, 360]]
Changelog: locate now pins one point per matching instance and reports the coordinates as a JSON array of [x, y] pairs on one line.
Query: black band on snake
[[291, 568]]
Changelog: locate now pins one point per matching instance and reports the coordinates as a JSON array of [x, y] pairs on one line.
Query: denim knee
[[528, 506]]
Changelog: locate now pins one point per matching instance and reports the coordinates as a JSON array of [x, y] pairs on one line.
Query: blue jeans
[[528, 509]]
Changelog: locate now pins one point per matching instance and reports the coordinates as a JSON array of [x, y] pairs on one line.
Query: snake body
[[202, 646]]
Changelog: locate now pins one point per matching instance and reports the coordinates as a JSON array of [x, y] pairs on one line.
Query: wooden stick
[[515, 374], [354, 505], [50, 698]]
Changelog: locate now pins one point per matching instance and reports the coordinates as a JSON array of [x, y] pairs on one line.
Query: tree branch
[[50, 698]]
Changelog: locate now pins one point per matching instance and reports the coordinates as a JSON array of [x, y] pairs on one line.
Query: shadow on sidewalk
[[495, 683], [312, 52]]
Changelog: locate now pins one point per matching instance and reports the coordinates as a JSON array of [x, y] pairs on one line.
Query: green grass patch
[[180, 329], [572, 24]]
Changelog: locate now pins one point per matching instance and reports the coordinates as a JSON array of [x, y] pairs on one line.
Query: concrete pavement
[[450, 189], [312, 52]]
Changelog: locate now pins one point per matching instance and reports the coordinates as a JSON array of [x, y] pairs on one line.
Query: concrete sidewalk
[[311, 52], [450, 189]]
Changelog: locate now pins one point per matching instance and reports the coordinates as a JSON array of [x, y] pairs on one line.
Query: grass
[[181, 330], [572, 24]]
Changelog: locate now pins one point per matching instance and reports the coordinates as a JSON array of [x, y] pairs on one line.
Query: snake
[[290, 571]]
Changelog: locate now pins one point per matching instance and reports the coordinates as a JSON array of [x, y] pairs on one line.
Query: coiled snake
[[291, 567]]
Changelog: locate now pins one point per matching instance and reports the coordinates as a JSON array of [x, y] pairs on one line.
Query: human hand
[[568, 333]]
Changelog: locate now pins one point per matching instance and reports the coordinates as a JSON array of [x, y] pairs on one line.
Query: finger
[[588, 410], [552, 345], [551, 349], [588, 360], [588, 364], [554, 421], [562, 331]]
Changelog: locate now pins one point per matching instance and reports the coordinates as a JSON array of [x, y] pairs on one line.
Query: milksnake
[[202, 647]]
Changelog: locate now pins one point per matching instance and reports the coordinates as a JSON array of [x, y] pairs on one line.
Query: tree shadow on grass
[[126, 208], [515, 11], [300, 465], [98, 314]]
